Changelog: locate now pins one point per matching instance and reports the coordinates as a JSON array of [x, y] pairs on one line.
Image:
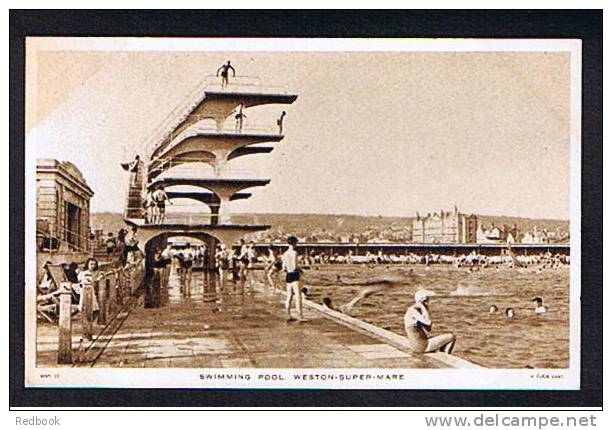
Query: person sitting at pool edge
[[417, 323]]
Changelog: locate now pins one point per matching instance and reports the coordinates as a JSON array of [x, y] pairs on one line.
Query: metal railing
[[52, 240], [189, 171], [242, 84], [112, 292], [230, 126], [190, 218]]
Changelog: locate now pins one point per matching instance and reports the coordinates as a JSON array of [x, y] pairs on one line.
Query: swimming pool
[[491, 340]]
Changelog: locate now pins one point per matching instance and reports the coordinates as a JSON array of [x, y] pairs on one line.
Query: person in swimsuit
[[133, 168], [222, 258], [149, 208], [279, 122], [240, 117], [224, 69], [539, 307], [235, 264], [293, 274], [243, 259], [160, 198], [131, 243], [417, 323], [274, 267], [187, 269], [251, 260]]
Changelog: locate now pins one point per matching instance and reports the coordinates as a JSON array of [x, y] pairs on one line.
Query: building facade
[[445, 227], [493, 234], [62, 207]]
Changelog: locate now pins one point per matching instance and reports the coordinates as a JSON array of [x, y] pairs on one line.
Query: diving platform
[[216, 145], [211, 126], [249, 99], [212, 100], [222, 187], [159, 166], [204, 197]]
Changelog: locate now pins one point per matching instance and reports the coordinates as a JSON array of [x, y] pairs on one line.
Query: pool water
[[491, 340]]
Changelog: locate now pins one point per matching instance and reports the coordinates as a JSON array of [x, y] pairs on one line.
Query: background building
[[445, 227], [493, 234], [62, 207]]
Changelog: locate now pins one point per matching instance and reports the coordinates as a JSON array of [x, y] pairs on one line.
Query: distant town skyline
[[371, 133]]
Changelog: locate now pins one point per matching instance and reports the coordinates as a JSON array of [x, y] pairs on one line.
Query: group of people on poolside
[[234, 264], [154, 206], [186, 259], [81, 279]]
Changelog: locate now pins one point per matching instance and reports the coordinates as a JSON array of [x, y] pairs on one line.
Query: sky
[[371, 133]]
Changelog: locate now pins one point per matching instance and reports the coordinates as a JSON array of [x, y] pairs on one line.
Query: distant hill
[[340, 224]]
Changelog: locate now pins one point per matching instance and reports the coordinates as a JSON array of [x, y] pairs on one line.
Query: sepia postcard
[[303, 213]]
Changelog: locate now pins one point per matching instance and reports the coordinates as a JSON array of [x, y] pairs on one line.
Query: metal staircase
[[133, 204]]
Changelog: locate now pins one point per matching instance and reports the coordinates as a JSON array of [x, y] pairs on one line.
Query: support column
[[87, 311], [220, 162], [219, 122], [64, 353], [223, 215]]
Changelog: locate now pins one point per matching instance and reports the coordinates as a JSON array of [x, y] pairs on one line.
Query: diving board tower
[[193, 148]]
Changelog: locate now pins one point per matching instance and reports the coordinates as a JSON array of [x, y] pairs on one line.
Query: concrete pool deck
[[236, 327]]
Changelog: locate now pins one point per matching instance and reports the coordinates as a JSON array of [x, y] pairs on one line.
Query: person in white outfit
[[417, 323]]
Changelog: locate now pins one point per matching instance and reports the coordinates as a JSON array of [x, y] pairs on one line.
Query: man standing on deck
[[224, 69], [243, 259], [293, 273]]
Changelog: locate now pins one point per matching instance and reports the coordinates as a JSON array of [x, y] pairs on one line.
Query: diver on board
[[279, 122], [240, 117], [224, 69]]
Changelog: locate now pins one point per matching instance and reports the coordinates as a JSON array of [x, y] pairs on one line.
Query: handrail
[[195, 218], [114, 290], [61, 239], [187, 172]]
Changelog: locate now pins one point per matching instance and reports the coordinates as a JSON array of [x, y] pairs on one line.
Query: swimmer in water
[[348, 307], [510, 312], [493, 309], [363, 294], [327, 303], [417, 322], [539, 308]]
